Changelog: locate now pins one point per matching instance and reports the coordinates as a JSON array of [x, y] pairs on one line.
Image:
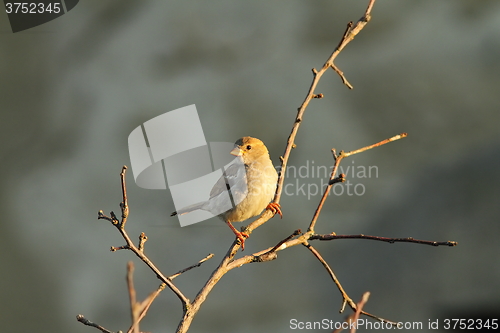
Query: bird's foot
[[242, 236], [275, 208]]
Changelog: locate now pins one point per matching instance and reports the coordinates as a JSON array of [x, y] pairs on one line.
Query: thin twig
[[378, 144], [173, 276], [342, 76], [280, 244], [124, 203], [271, 254], [132, 297], [338, 158], [144, 306], [359, 308], [346, 298], [131, 246], [328, 237], [352, 319], [87, 322], [317, 74]]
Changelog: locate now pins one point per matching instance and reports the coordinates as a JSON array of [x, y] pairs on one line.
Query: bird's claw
[[242, 236], [275, 208]]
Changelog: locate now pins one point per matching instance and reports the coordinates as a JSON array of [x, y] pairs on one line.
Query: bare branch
[[173, 276], [144, 307], [346, 298], [124, 203], [378, 144], [271, 254], [338, 158], [359, 308], [328, 237], [346, 39], [87, 322], [138, 251], [229, 262], [132, 297]]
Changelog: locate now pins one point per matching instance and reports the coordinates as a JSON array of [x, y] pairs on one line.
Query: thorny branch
[[228, 262]]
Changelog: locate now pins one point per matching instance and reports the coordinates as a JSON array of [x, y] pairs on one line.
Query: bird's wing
[[232, 176], [189, 208]]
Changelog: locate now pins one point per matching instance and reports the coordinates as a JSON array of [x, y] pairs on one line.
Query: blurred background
[[73, 89]]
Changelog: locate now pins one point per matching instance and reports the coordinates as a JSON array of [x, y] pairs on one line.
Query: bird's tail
[[189, 208]]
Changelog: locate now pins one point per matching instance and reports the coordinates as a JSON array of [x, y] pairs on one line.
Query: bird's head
[[249, 149]]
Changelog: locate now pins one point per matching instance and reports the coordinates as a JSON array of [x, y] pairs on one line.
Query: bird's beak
[[236, 151]]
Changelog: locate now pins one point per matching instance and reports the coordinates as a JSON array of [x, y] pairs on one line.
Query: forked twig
[[144, 307], [352, 319], [338, 158], [139, 252], [349, 34]]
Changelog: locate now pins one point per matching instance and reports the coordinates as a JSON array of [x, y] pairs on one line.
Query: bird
[[251, 182]]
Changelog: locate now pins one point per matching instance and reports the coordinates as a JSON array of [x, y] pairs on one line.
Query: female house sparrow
[[251, 184]]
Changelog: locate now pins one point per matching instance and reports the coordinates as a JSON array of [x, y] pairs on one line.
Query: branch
[[346, 298], [87, 322], [359, 308], [134, 309], [144, 307], [173, 276], [348, 36], [341, 177], [382, 239], [352, 319], [139, 251], [138, 310], [229, 262]]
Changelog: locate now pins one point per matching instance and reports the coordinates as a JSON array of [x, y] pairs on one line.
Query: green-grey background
[[74, 88]]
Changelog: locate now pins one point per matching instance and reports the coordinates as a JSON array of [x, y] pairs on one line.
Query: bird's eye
[[249, 147]]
